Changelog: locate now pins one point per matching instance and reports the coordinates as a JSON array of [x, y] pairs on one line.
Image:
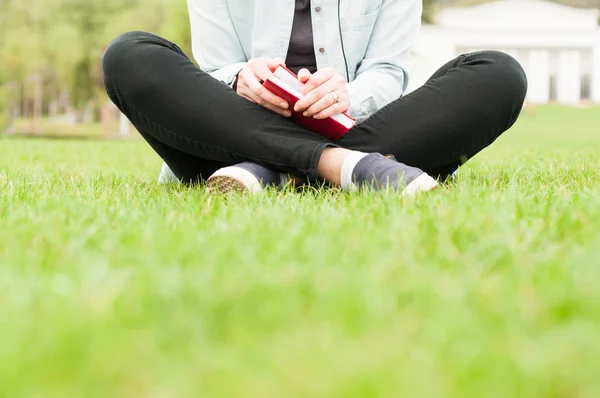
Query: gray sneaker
[[376, 171], [245, 177]]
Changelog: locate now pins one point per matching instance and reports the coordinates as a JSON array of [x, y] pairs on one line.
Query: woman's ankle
[[331, 162]]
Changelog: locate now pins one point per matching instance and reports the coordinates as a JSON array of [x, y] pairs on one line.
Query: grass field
[[113, 286]]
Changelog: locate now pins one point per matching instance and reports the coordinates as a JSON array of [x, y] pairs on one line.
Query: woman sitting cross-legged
[[218, 123]]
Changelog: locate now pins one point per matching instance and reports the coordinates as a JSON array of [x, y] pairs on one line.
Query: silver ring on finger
[[336, 97]]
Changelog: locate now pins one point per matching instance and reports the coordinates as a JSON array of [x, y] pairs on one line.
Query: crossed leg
[[197, 124]]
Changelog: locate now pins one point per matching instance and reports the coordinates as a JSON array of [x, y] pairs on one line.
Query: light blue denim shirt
[[377, 37]]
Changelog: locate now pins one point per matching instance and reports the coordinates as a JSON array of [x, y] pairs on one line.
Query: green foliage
[[429, 11], [4, 108], [112, 286], [65, 39]]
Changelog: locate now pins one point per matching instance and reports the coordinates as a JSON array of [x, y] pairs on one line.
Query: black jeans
[[198, 124]]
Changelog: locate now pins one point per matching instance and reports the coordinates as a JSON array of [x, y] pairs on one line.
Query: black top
[[301, 53]]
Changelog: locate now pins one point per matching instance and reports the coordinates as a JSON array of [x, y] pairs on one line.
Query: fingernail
[[284, 105], [305, 114], [287, 113], [317, 116]]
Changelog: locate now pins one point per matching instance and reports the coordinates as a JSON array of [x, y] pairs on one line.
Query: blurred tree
[[429, 11], [5, 105], [63, 40], [87, 19], [176, 25]]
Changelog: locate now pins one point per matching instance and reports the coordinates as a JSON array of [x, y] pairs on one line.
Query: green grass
[[112, 286], [65, 129]]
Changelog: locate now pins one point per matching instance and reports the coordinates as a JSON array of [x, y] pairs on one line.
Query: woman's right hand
[[249, 85]]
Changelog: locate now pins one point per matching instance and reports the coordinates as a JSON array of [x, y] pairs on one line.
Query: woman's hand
[[249, 85], [319, 102]]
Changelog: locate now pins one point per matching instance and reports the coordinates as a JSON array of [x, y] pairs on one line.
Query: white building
[[558, 46]]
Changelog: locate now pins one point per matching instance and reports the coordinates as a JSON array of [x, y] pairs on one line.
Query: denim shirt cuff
[[228, 73], [362, 105]]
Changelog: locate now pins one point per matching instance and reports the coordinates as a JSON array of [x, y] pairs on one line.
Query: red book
[[285, 84]]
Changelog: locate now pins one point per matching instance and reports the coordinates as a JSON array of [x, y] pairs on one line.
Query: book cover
[[285, 84]]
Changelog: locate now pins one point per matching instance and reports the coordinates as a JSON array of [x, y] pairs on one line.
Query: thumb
[[304, 75], [274, 63]]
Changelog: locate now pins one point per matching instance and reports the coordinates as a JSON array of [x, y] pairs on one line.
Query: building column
[[539, 77], [596, 71], [568, 80]]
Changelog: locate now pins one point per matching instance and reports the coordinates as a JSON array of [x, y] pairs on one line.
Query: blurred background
[[50, 59], [50, 52]]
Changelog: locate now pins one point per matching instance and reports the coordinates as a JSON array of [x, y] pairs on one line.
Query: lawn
[[113, 286]]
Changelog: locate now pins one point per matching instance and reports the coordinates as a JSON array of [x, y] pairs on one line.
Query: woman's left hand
[[320, 94]]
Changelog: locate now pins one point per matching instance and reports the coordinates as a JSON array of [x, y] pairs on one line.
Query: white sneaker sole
[[423, 183], [234, 179], [166, 176]]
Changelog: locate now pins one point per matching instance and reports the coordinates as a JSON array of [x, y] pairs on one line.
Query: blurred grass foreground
[[114, 286]]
